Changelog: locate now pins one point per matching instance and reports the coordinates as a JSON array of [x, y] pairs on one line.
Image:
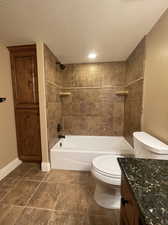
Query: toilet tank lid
[[150, 141]]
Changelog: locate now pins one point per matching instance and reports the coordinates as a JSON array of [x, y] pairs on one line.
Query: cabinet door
[[129, 211], [24, 76], [28, 134], [25, 89]]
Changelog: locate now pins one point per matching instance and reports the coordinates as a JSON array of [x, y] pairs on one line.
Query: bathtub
[[77, 152]]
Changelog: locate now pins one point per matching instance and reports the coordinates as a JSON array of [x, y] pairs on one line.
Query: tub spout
[[61, 136]]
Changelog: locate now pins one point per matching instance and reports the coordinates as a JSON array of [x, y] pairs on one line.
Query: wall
[[155, 116], [53, 80], [134, 85], [8, 151], [93, 107], [42, 103]]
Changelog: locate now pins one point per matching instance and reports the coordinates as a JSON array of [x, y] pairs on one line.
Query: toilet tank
[[147, 146]]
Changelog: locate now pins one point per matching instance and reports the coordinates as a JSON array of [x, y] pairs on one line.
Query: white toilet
[[107, 172]]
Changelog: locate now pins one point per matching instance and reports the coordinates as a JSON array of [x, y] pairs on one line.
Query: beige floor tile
[[72, 198], [45, 196], [9, 182], [68, 219], [9, 214], [3, 193], [62, 198], [68, 177], [21, 193], [104, 220], [35, 174], [21, 170], [32, 216]]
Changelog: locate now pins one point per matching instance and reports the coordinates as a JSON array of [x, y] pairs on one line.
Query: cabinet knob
[[124, 201]]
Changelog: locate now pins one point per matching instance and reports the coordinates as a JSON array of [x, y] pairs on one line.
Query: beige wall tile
[[53, 77], [135, 63]]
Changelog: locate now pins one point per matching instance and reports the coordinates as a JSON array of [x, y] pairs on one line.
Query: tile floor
[[29, 196]]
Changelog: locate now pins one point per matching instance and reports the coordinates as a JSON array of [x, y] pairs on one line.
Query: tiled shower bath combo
[[93, 108]]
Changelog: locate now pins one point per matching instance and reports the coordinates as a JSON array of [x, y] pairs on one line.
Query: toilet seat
[[106, 168]]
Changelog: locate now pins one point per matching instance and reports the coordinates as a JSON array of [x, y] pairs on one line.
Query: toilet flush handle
[[124, 201]]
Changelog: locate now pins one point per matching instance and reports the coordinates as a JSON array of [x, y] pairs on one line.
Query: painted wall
[[93, 108], [8, 144], [155, 115], [53, 82], [134, 85]]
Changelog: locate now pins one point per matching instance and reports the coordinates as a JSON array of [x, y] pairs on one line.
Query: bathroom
[[76, 120]]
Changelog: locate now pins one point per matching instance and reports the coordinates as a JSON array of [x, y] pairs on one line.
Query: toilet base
[[107, 196]]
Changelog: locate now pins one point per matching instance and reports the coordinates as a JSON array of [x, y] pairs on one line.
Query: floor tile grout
[[78, 181], [40, 182], [33, 194], [9, 191]]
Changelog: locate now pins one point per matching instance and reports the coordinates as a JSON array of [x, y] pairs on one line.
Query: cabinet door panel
[[24, 75], [25, 80], [28, 134], [129, 211]]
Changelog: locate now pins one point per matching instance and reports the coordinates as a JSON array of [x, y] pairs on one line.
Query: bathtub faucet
[[61, 136]]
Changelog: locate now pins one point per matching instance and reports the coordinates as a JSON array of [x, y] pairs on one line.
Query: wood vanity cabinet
[[26, 101], [129, 213]]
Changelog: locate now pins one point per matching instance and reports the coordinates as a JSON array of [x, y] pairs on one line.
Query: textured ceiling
[[72, 29]]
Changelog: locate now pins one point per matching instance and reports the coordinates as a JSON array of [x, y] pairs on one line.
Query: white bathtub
[[77, 152]]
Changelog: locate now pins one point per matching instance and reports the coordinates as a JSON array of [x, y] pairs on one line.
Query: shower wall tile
[[52, 70], [97, 111], [94, 75], [134, 100], [53, 78], [82, 75], [135, 63], [113, 73], [133, 111]]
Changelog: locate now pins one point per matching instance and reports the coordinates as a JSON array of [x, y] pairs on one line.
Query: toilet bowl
[[107, 175]]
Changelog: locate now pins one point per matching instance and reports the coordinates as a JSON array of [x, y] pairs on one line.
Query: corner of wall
[[144, 80], [42, 101]]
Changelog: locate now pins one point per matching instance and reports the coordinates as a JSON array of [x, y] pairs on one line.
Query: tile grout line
[[20, 214], [1, 200], [50, 211], [35, 191], [19, 180]]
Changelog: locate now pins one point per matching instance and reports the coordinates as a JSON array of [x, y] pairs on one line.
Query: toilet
[[106, 171]]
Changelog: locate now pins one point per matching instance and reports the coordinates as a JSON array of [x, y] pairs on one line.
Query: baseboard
[[9, 168], [45, 166]]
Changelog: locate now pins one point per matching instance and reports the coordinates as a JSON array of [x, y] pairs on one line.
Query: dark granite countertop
[[148, 179]]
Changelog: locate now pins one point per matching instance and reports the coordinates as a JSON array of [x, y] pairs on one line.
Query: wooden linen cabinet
[[26, 101]]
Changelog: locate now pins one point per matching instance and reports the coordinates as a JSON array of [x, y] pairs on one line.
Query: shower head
[[62, 66]]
